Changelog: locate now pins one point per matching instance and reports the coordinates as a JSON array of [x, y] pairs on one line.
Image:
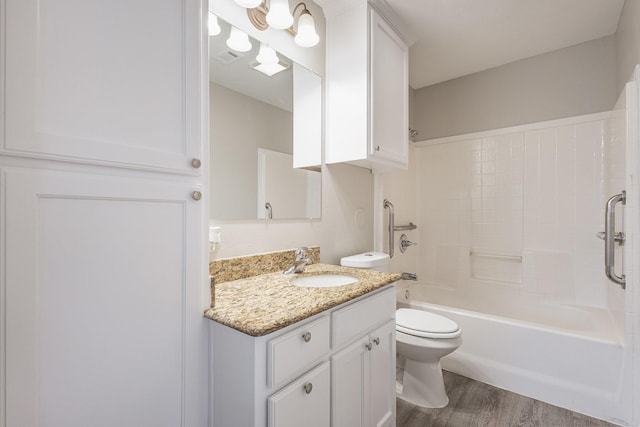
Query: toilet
[[422, 339]]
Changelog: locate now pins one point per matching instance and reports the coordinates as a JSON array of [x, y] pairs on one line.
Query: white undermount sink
[[324, 280]]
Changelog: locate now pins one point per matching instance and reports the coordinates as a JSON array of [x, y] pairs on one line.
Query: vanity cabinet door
[[305, 402], [363, 381], [382, 374], [349, 381]]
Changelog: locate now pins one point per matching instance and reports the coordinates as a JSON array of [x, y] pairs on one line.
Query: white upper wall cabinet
[[367, 90], [68, 64]]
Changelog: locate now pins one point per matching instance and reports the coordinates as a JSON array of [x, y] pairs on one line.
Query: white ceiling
[[460, 37]]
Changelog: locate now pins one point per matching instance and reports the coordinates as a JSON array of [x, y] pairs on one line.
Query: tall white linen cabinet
[[103, 253]]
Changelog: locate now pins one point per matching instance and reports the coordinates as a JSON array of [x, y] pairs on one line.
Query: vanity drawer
[[289, 355], [355, 319], [305, 402]]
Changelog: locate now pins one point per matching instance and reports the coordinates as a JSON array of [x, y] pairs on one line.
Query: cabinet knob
[[369, 346], [196, 195], [196, 163], [376, 340], [377, 148], [308, 387], [306, 336]]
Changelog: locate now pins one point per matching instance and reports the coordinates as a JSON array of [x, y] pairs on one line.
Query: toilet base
[[422, 385]]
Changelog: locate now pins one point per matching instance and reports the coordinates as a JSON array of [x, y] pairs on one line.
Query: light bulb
[[307, 36], [238, 40], [279, 15], [249, 4], [267, 55], [214, 27]]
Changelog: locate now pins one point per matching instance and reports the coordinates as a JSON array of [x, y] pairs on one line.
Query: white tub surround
[[507, 229]]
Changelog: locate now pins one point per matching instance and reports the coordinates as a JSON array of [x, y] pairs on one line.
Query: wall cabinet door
[[102, 301], [115, 83], [367, 90], [389, 93]]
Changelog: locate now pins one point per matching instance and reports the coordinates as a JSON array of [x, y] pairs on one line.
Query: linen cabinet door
[[114, 82], [102, 300], [305, 402]]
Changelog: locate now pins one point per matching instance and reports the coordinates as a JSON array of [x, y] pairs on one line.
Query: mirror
[[252, 137]]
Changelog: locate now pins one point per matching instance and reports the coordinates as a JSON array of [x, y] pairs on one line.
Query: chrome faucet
[[300, 262]]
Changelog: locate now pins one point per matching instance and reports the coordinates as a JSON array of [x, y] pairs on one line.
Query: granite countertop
[[263, 304]]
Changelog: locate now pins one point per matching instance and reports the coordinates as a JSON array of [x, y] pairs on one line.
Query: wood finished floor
[[472, 403]]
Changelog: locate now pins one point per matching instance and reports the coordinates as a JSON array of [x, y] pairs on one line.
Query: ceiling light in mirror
[[214, 27], [267, 55], [270, 69], [238, 40]]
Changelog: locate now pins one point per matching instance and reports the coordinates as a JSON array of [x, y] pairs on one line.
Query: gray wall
[[577, 80], [628, 42]]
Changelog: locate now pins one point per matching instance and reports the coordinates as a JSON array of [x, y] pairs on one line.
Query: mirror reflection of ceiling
[[233, 70]]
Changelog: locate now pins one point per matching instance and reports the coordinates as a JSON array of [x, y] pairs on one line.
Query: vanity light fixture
[[238, 40], [276, 14], [214, 27], [306, 36], [279, 16], [248, 3]]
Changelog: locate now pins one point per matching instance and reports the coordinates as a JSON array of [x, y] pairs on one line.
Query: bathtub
[[568, 356]]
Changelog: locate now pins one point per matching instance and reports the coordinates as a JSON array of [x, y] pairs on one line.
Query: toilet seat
[[416, 322]]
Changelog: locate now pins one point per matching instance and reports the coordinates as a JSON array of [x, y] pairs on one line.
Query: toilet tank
[[378, 261]]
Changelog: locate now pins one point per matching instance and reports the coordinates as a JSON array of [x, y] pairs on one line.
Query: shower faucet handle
[[405, 243], [618, 237]]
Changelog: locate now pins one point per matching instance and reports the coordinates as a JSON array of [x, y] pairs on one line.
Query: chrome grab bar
[[611, 237], [409, 227], [388, 205]]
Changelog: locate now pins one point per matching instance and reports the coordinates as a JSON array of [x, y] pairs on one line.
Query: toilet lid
[[425, 324]]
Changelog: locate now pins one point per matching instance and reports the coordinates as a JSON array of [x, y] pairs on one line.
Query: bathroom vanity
[[284, 355]]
